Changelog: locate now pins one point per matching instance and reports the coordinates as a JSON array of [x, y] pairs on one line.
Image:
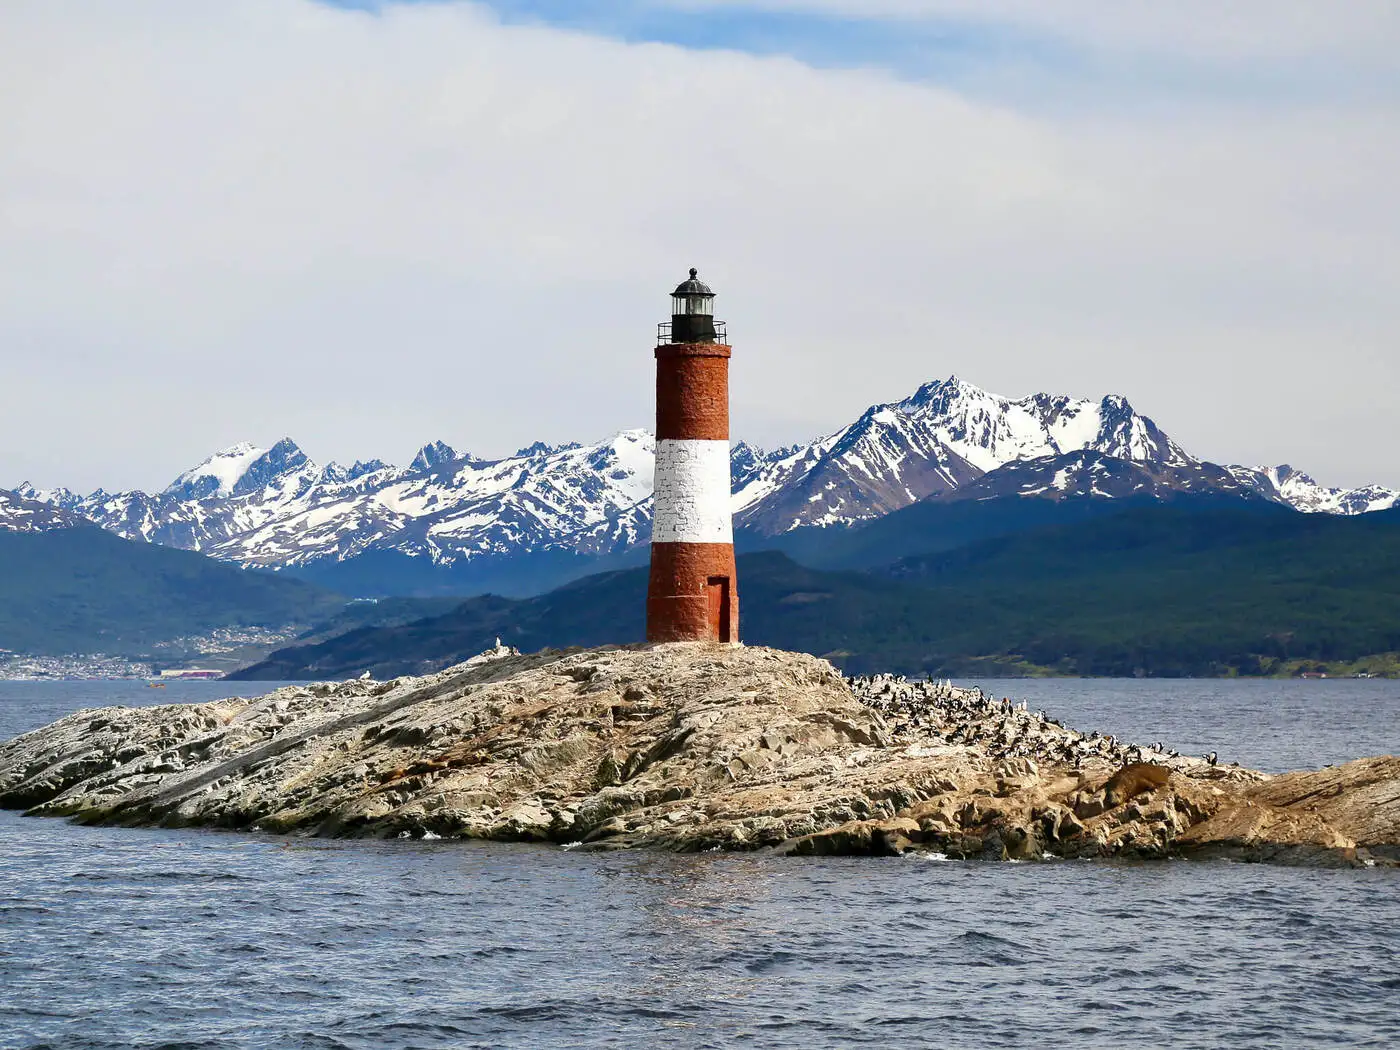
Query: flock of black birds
[[939, 710]]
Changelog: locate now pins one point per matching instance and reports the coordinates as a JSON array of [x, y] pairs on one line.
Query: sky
[[371, 225]]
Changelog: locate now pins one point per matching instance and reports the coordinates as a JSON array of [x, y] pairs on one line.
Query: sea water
[[200, 939]]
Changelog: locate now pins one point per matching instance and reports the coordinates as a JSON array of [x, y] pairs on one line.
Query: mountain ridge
[[275, 508], [21, 514]]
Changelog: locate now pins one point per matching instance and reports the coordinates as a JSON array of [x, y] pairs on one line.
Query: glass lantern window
[[682, 305]]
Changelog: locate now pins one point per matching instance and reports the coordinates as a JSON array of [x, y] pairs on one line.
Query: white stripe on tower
[[692, 492]]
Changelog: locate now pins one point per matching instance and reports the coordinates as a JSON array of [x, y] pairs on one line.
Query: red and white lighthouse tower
[[691, 595]]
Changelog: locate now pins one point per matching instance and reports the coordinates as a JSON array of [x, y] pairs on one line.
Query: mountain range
[[546, 514]]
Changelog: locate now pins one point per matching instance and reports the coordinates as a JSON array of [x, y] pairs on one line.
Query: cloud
[[372, 229]]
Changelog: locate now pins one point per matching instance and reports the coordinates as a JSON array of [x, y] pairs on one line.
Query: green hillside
[[936, 525], [1154, 590], [1162, 591], [597, 610], [83, 590]]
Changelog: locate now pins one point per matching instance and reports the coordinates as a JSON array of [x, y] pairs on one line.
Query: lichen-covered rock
[[685, 746]]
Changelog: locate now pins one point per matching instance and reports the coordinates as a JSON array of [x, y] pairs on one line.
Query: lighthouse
[[691, 594]]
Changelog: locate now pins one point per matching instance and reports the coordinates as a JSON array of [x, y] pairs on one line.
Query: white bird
[[366, 677]]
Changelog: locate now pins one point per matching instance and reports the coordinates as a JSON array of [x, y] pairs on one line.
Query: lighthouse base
[[691, 595]]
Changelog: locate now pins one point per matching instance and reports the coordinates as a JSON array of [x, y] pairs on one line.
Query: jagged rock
[[685, 747], [1344, 814]]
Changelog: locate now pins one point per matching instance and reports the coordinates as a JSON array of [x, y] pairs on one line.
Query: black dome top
[[694, 286]]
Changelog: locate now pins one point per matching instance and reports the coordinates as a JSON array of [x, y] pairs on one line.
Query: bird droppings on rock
[[686, 746]]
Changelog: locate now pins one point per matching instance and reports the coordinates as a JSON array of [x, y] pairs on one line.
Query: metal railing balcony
[[663, 333]]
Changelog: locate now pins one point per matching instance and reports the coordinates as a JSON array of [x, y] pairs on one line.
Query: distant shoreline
[[1048, 674]]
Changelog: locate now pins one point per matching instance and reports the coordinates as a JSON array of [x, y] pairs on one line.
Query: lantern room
[[692, 314]]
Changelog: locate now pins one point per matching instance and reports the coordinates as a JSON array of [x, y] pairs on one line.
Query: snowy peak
[[238, 470], [1125, 434], [20, 514], [945, 435], [433, 455], [745, 461], [990, 431], [539, 448], [278, 462], [1283, 484], [885, 460], [217, 475], [334, 472], [67, 499], [981, 428]]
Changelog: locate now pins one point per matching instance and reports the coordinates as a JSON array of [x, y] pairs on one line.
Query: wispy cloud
[[1040, 53]]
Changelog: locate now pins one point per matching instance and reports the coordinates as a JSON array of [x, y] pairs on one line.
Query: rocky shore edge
[[687, 747]]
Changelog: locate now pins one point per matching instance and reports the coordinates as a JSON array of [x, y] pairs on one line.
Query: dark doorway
[[719, 608]]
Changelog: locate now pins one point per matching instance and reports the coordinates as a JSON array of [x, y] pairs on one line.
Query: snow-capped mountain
[[18, 514], [945, 435], [219, 475], [1286, 485], [458, 508], [275, 508], [230, 493]]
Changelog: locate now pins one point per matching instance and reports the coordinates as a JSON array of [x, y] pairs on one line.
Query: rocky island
[[687, 746]]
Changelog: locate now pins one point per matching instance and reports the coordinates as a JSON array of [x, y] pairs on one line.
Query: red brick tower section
[[692, 593]]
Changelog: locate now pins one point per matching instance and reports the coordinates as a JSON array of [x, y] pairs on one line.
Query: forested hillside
[[1154, 590], [84, 590]]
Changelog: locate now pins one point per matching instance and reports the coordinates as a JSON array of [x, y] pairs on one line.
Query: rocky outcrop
[[686, 747], [1336, 814]]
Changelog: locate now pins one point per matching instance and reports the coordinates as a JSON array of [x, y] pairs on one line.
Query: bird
[[366, 677], [1210, 758]]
